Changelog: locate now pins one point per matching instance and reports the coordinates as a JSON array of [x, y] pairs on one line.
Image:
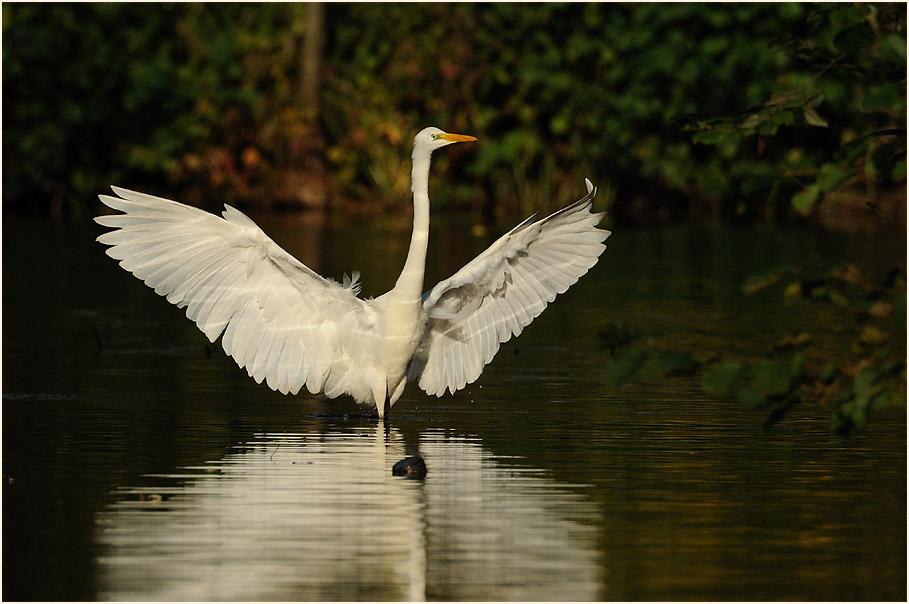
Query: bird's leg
[[378, 395], [396, 393]]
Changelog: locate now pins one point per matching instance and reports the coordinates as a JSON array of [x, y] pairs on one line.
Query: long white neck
[[410, 283]]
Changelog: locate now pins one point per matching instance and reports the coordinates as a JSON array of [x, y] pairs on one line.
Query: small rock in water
[[411, 467]]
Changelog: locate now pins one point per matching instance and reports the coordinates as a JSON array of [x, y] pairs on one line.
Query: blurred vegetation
[[862, 372], [853, 94], [745, 111]]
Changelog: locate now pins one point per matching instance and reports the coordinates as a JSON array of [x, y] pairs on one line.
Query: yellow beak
[[457, 138]]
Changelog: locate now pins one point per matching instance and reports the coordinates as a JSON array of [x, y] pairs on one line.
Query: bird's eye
[[435, 137]]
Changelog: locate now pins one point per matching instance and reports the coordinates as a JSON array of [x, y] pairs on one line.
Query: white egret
[[289, 326]]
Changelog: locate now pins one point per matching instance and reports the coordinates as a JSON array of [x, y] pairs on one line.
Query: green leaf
[[819, 292], [852, 39], [796, 366], [832, 175], [883, 97], [756, 283], [784, 117], [893, 46], [887, 397], [760, 182], [752, 121], [711, 137], [624, 365], [814, 101], [723, 378], [838, 298], [863, 385], [828, 373], [771, 377], [790, 341], [776, 119], [812, 118], [898, 174], [804, 200]]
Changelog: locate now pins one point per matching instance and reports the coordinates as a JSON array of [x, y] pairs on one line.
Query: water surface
[[141, 463], [319, 514]]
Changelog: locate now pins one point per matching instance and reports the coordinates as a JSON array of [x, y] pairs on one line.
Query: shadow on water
[[542, 481]]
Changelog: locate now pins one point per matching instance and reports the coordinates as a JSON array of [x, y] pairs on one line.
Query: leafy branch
[[871, 376], [854, 52]]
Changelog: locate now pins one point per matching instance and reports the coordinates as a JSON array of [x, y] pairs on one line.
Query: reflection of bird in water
[[319, 516], [292, 328]]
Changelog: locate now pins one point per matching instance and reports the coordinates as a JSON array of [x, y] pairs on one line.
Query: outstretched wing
[[501, 291], [281, 321]]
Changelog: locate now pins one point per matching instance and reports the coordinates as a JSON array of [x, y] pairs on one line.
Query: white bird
[[289, 326]]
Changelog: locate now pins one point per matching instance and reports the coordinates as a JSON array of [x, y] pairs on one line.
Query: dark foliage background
[[745, 111]]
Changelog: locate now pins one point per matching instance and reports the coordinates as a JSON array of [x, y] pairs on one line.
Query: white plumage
[[292, 328]]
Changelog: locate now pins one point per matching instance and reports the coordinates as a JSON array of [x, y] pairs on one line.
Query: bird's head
[[430, 139]]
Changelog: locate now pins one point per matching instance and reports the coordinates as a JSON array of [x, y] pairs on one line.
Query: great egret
[[292, 328]]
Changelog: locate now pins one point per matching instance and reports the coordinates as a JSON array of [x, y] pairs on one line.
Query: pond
[[140, 463]]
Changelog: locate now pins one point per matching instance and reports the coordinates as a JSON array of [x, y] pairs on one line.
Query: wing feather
[[497, 294], [275, 316]]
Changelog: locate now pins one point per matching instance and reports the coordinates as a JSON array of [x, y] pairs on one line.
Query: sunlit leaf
[[832, 175], [819, 292], [804, 200], [848, 273], [756, 283], [793, 290], [894, 47], [815, 100], [752, 121], [795, 341], [838, 298], [812, 118], [873, 335], [888, 397], [863, 385]]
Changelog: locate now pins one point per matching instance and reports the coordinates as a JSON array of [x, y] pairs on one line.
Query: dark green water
[[139, 463]]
